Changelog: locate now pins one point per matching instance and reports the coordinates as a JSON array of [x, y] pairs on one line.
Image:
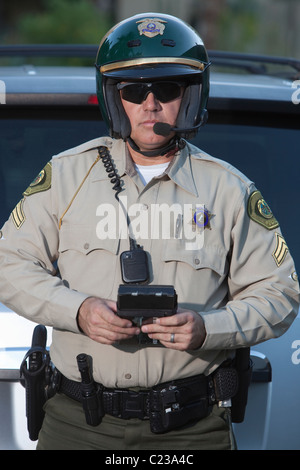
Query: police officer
[[205, 229]]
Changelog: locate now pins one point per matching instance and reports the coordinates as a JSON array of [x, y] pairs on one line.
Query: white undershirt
[[147, 172]]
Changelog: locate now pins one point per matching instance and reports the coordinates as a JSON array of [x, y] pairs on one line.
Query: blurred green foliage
[[256, 26], [239, 26], [65, 22], [61, 22]]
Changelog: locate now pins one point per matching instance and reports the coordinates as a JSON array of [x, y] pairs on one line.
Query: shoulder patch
[[42, 182], [260, 212]]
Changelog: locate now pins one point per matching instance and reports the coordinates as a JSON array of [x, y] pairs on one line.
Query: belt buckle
[[132, 404]]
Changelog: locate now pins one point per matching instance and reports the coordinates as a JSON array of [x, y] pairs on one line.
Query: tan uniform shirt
[[229, 263]]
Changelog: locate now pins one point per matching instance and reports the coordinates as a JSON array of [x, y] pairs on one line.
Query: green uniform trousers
[[64, 428]]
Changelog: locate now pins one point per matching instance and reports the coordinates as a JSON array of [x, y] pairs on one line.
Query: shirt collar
[[180, 169], [117, 150]]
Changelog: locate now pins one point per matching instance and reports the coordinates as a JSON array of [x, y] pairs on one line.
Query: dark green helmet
[[149, 47]]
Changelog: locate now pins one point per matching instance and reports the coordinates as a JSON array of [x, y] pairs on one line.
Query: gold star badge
[[201, 218]]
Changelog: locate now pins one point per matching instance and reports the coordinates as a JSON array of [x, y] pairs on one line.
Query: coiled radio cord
[[115, 179]]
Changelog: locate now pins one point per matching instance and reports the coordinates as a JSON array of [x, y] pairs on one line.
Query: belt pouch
[[177, 404]]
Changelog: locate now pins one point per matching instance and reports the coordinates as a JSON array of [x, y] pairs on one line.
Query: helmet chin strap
[[173, 143]]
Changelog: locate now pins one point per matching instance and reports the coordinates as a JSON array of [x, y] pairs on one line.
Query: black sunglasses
[[138, 92]]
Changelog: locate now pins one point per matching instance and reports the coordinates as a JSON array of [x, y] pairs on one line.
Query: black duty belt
[[121, 403], [167, 405]]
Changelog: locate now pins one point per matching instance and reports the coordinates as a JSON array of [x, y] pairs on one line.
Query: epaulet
[[90, 145], [198, 154]]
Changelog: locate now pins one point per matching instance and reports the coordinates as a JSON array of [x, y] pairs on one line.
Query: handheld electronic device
[[146, 301]]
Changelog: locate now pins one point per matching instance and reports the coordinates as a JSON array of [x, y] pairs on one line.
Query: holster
[[33, 373], [243, 365]]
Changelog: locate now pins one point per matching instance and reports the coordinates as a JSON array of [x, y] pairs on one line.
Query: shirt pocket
[[88, 263], [84, 240], [212, 256], [189, 269]]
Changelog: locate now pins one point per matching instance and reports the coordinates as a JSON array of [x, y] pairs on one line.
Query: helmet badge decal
[[151, 27]]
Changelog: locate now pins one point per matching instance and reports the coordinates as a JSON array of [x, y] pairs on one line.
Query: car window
[[27, 144]]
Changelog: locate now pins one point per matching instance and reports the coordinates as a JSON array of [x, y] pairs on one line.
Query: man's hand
[[186, 328], [98, 320]]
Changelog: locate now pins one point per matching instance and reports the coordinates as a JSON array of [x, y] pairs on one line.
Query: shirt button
[[86, 246], [127, 376], [197, 261]]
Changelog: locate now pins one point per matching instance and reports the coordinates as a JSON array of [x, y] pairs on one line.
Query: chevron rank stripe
[[18, 215], [281, 249]]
